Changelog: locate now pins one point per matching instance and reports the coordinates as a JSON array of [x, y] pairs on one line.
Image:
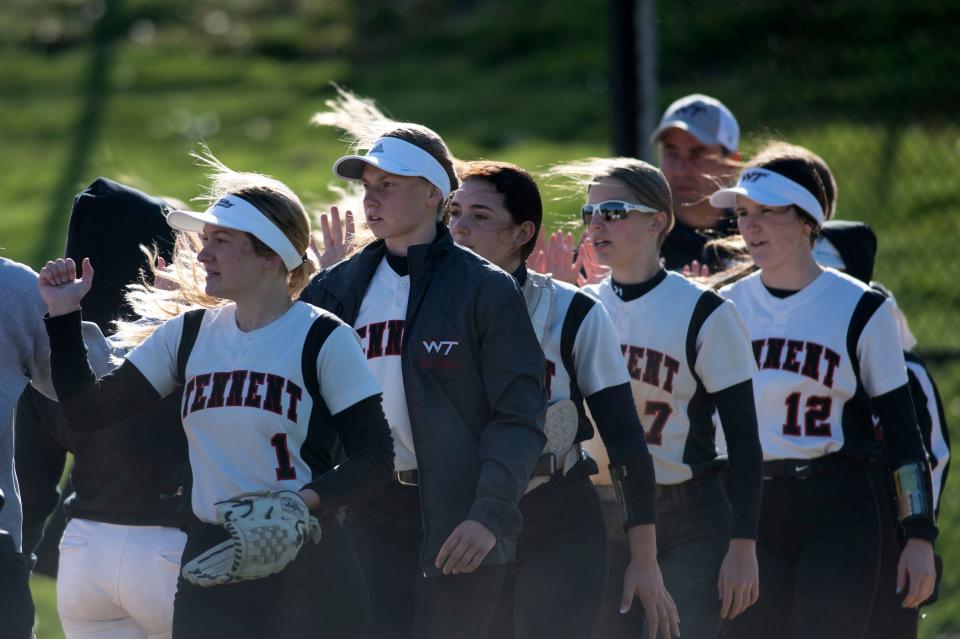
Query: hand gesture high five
[[59, 287]]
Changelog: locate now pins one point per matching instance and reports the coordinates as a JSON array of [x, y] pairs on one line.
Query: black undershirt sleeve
[[90, 403], [615, 414], [738, 417], [903, 444], [368, 445]]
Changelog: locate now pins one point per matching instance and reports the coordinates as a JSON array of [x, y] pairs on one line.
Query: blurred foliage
[[871, 85]]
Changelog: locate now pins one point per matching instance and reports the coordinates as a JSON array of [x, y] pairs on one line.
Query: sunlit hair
[[155, 303], [645, 181], [521, 197], [363, 123]]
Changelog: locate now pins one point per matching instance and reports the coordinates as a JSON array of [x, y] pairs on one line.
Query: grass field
[[871, 91]]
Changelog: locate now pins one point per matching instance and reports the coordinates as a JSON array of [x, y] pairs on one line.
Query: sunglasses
[[611, 210]]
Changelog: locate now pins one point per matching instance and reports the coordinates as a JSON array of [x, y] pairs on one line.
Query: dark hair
[[521, 197]]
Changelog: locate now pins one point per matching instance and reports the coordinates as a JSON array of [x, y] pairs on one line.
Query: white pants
[[118, 582]]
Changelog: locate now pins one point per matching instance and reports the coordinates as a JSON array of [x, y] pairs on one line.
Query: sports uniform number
[[661, 413], [284, 469], [814, 424]]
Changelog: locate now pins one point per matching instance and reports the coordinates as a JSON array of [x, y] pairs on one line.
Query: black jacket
[[476, 409]]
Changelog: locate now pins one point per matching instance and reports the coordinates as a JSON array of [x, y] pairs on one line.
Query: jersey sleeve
[[724, 354], [596, 353], [345, 378], [156, 356], [882, 367]]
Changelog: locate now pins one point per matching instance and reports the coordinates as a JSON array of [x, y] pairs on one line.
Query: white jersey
[[380, 324], [808, 363], [595, 353], [246, 410], [676, 356]]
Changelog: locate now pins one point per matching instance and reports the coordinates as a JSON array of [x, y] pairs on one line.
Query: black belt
[[407, 477], [689, 490], [804, 468]]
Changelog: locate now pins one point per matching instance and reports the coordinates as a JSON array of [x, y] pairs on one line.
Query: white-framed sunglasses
[[610, 210]]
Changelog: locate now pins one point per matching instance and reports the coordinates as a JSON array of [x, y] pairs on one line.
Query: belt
[[804, 468], [550, 464], [689, 490], [407, 477]]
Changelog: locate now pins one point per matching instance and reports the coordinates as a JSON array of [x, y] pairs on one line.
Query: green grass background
[[871, 86]]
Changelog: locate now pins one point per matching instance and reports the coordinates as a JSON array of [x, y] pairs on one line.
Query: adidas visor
[[234, 212], [772, 189], [396, 156]]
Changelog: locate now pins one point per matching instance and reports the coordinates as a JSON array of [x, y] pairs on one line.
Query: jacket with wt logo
[[473, 374]]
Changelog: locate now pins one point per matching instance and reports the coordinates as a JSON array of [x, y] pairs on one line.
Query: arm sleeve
[[929, 407], [724, 353], [738, 418], [366, 440], [597, 355], [903, 444], [87, 402], [615, 414], [40, 461], [512, 369]]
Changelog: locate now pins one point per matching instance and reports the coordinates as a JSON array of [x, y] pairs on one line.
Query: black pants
[[888, 618], [693, 533], [319, 594], [819, 556], [554, 588], [387, 534], [16, 604]]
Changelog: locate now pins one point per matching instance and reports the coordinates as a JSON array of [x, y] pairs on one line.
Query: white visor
[[396, 156], [236, 213], [772, 189]]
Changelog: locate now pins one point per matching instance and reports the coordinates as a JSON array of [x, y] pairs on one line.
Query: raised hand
[[589, 264], [59, 287], [337, 237]]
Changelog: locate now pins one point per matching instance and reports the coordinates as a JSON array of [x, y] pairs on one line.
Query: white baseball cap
[[703, 117], [396, 156], [234, 212], [766, 187]]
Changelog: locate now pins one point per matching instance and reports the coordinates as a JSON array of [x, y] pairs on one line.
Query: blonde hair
[[645, 181], [180, 286]]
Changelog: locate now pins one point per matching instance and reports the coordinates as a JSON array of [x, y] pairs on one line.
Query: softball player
[[497, 213], [687, 354], [448, 336], [270, 385], [822, 345]]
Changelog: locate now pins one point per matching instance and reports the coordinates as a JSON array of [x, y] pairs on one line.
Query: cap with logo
[[703, 117], [396, 156]]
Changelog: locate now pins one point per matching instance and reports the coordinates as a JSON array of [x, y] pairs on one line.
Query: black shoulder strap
[[869, 302], [316, 336], [580, 306], [709, 302], [191, 328]]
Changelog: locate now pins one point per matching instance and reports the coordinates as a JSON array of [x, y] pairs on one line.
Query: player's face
[[693, 169], [480, 221], [397, 207], [619, 243], [775, 235], [230, 261]]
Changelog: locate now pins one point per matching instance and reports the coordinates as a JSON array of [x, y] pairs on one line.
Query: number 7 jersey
[[681, 342], [821, 353]]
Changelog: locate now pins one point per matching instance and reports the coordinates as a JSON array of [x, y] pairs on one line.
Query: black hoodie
[[129, 473]]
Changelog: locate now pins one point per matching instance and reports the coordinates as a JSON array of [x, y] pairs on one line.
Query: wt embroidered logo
[[692, 110], [752, 176], [440, 348], [225, 203]]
